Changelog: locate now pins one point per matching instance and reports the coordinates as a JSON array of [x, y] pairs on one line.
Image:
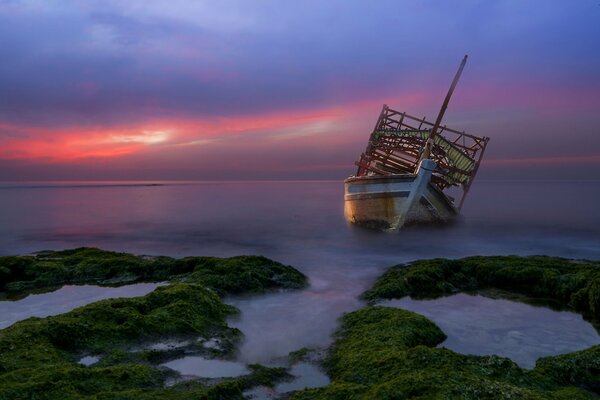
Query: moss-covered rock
[[422, 371], [38, 356], [129, 381], [241, 274], [38, 352], [390, 353], [234, 275], [574, 284], [580, 368]]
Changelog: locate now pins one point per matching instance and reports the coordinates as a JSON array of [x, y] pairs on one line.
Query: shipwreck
[[409, 168]]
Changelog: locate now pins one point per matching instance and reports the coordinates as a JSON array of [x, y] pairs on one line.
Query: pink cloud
[[77, 143]]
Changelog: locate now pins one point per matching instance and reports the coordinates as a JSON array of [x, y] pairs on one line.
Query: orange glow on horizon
[[78, 143]]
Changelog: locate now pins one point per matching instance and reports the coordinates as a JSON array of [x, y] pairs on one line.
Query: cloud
[[112, 79], [146, 137]]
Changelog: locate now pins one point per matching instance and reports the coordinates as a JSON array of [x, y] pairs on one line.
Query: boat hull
[[391, 202]]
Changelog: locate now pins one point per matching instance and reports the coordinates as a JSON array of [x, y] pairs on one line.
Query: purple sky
[[279, 90]]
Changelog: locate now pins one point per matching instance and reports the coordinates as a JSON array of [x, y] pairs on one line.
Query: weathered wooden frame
[[397, 144]]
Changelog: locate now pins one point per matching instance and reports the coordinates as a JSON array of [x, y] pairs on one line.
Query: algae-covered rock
[[241, 274], [38, 356], [580, 368], [175, 310], [385, 354], [390, 353], [130, 381], [234, 275], [574, 284]]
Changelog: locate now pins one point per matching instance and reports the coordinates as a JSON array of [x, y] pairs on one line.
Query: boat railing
[[397, 142]]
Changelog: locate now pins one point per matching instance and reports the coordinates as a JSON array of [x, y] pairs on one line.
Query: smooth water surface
[[205, 368], [297, 223], [522, 332], [306, 375], [89, 360]]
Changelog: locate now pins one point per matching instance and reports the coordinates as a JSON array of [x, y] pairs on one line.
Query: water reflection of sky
[[480, 325]]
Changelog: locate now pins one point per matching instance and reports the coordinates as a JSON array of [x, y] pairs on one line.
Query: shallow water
[[522, 332], [65, 299], [306, 376], [89, 360], [297, 223], [205, 368]]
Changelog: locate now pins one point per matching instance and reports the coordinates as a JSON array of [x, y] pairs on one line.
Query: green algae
[[572, 284], [132, 382], [390, 353], [38, 356], [234, 275], [580, 368], [241, 274]]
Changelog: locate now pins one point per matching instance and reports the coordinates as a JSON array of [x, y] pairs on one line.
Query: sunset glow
[[143, 82]]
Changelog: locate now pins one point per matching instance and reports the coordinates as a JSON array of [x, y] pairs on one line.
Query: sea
[[299, 223]]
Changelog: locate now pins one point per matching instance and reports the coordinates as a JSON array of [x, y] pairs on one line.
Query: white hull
[[390, 202]]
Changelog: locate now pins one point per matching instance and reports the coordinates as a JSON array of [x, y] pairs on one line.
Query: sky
[[202, 90]]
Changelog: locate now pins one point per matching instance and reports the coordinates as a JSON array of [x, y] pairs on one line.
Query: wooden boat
[[410, 164]]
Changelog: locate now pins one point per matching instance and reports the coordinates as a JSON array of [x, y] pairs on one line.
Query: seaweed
[[129, 382], [571, 283], [38, 355], [390, 353], [387, 353], [241, 274], [234, 275], [580, 368]]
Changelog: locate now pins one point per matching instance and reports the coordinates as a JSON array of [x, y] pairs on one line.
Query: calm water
[[202, 367], [480, 325], [297, 223]]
